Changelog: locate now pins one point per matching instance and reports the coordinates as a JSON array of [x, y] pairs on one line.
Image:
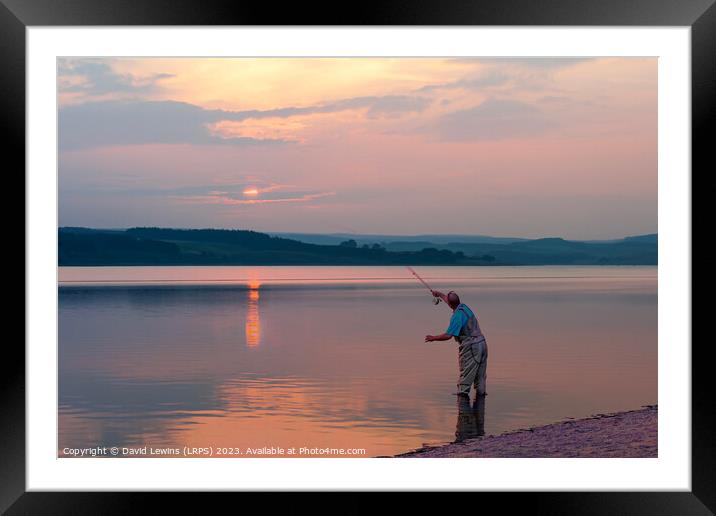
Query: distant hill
[[558, 251], [163, 246], [337, 238], [652, 239]]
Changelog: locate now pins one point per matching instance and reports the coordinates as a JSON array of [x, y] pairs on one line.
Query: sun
[[251, 191]]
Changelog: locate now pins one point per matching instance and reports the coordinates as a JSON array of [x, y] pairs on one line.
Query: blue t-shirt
[[459, 319]]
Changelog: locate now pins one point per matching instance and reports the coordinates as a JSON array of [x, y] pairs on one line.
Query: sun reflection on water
[[253, 321]]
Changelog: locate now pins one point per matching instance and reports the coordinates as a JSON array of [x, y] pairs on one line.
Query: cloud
[[528, 62], [395, 105], [94, 78], [524, 72], [375, 105], [492, 120], [554, 99], [136, 122], [248, 192], [236, 195], [121, 122], [484, 80], [299, 198]]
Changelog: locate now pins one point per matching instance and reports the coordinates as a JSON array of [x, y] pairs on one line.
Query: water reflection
[[470, 418], [253, 321], [346, 366]]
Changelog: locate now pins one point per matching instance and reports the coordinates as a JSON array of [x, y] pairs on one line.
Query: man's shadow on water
[[470, 418]]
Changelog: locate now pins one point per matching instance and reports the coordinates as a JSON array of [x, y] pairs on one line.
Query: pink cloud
[[222, 199]]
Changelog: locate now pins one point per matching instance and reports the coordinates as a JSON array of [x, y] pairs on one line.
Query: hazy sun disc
[[251, 191]]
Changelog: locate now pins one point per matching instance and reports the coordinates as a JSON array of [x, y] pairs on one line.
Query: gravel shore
[[621, 434]]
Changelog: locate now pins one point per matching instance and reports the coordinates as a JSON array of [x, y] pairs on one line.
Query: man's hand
[[440, 295], [429, 338]]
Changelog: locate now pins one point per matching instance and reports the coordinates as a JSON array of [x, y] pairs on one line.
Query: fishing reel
[[436, 300]]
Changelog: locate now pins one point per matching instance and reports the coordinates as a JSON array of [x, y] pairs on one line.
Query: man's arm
[[456, 323], [443, 336]]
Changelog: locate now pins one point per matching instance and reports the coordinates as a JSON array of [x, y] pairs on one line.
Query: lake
[[329, 358]]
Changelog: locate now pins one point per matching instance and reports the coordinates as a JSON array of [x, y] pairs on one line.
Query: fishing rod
[[436, 300]]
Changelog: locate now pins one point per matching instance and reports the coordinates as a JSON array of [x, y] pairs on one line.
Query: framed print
[[444, 248]]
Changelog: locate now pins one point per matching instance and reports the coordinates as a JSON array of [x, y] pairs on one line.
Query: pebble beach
[[622, 434]]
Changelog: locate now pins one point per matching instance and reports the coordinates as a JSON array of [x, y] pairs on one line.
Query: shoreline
[[627, 434]]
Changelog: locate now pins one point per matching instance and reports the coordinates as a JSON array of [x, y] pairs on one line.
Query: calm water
[[333, 357]]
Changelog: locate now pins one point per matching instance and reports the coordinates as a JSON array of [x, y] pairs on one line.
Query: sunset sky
[[507, 147]]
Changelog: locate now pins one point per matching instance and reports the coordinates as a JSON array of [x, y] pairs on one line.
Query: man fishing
[[472, 349]]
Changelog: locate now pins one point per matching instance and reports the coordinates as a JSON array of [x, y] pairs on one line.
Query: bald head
[[453, 300]]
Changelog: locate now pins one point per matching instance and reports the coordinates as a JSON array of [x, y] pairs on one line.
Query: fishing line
[[436, 300]]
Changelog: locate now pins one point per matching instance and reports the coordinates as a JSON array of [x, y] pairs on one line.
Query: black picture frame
[[17, 15]]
